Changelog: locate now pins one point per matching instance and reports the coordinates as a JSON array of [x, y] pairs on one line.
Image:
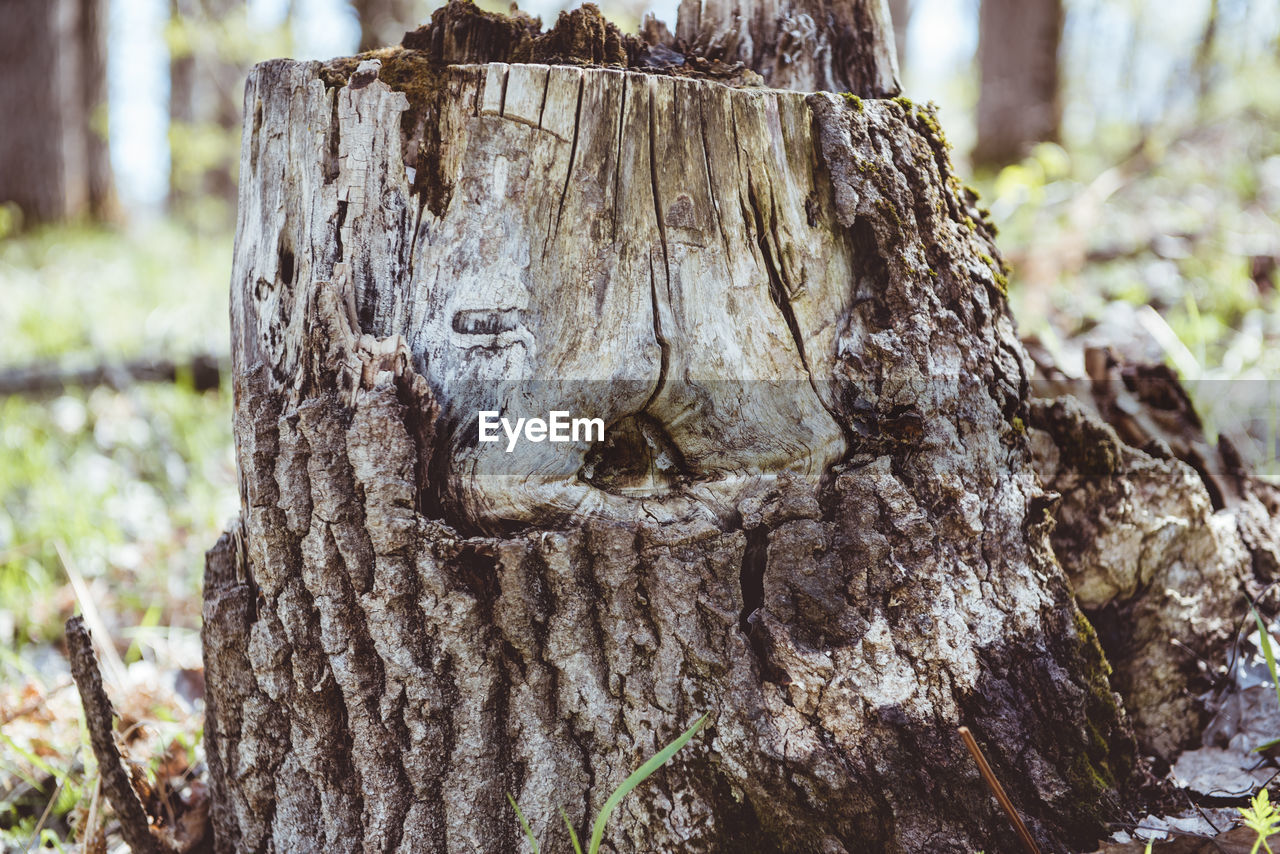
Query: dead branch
[[98, 714], [205, 371]]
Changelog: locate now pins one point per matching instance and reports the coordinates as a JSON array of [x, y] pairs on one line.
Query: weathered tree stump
[[814, 514]]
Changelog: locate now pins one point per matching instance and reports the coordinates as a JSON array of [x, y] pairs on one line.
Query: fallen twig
[[205, 371], [44, 816], [88, 836], [134, 824], [996, 789]]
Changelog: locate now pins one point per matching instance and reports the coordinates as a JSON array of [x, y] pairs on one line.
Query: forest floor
[[1168, 250]]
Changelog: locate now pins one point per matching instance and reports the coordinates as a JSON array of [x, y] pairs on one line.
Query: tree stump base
[[818, 518]]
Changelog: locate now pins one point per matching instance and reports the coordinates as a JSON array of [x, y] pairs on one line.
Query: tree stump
[[813, 515]]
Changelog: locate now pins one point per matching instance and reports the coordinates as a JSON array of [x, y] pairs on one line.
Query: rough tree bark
[[1018, 99], [53, 160], [815, 515]]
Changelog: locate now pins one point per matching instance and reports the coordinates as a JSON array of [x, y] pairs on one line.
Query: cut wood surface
[[816, 516]]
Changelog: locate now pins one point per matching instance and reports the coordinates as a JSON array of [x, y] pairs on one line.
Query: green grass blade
[[1267, 651], [637, 777], [33, 759], [573, 834], [523, 824]]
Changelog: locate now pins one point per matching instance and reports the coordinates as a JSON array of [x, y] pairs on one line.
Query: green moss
[[997, 271], [886, 207], [853, 101], [985, 215], [905, 103], [928, 118], [970, 224], [1020, 428], [1107, 759], [413, 73], [421, 78], [1089, 782]]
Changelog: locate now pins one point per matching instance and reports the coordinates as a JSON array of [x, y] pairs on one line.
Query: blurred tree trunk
[[900, 11], [54, 161], [1018, 102], [814, 517], [384, 22], [1204, 61], [93, 86], [205, 82]]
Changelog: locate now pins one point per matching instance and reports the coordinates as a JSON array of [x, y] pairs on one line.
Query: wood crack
[[781, 296], [573, 151], [664, 345], [711, 190], [617, 160]]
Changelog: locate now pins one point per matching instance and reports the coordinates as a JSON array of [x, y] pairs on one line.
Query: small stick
[[134, 824], [48, 808], [91, 823], [996, 789]]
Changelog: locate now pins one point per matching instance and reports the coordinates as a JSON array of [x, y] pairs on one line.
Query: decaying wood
[[135, 826], [810, 45], [1160, 533], [817, 516]]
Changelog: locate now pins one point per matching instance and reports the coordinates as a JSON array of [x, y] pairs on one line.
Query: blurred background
[[1129, 151]]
